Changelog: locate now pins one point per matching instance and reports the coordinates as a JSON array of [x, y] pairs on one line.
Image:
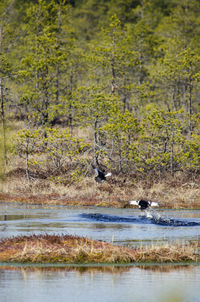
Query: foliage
[[121, 132], [125, 73], [54, 151]]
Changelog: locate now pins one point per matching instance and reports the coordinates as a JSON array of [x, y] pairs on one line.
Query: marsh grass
[[74, 249], [170, 191], [88, 192]]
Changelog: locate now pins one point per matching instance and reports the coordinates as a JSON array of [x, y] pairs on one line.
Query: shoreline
[[59, 265], [55, 199]]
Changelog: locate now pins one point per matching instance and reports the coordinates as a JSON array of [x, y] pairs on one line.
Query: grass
[[173, 192], [109, 194], [74, 249]]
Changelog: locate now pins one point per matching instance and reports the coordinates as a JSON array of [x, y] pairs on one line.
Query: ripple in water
[[148, 217]]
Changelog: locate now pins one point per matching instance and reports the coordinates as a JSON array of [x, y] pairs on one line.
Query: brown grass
[[169, 191], [73, 249], [108, 194]]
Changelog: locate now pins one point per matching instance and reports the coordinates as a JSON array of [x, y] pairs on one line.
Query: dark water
[[148, 217], [109, 283]]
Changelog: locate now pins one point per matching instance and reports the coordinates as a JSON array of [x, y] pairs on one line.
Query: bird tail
[[135, 202], [108, 174], [154, 204]]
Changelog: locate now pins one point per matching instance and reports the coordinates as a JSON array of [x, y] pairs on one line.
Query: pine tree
[[47, 47], [6, 11]]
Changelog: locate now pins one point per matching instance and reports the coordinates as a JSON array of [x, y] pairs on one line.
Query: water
[[107, 283], [85, 284], [119, 226]]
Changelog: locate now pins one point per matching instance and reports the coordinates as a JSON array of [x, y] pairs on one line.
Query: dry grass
[[73, 249], [170, 191], [108, 194]]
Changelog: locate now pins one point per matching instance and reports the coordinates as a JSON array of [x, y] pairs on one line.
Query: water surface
[[120, 226], [85, 284], [108, 283]]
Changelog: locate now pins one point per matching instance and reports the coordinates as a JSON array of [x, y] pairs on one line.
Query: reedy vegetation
[[74, 249], [126, 73]]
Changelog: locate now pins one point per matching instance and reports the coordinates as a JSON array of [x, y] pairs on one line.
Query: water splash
[[156, 218], [148, 216]]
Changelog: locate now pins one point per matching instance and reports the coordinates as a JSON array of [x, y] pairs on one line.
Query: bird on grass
[[100, 174], [144, 204]]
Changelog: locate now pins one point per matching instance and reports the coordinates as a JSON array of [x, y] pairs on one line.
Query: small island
[[70, 249]]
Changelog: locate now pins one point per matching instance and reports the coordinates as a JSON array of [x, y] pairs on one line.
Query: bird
[[144, 204], [100, 174]]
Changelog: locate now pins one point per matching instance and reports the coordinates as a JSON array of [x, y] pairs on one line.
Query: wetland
[[127, 228]]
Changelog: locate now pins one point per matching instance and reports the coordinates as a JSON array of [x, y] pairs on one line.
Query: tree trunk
[[3, 124], [113, 84], [172, 154], [190, 107], [70, 103], [27, 160], [96, 142]]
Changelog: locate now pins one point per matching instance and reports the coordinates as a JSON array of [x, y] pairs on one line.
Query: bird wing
[[135, 202], [108, 174], [154, 204]]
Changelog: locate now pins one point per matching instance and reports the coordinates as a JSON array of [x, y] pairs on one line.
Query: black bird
[[143, 204], [101, 175]]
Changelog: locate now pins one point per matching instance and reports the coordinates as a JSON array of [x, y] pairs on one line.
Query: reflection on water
[[150, 283], [167, 267]]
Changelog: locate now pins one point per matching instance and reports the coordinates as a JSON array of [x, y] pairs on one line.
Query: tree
[[160, 139], [121, 131], [26, 145], [51, 155], [113, 61], [5, 65], [95, 109], [48, 43], [177, 70]]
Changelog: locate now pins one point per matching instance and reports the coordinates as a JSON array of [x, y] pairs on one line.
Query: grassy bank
[[73, 249], [48, 185], [168, 193]]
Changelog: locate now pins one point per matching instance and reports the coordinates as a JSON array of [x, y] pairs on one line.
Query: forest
[[103, 82]]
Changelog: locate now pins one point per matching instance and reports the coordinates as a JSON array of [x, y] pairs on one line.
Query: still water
[[148, 283], [107, 283]]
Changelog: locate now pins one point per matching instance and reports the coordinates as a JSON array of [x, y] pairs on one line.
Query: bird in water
[[143, 204], [100, 174]]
